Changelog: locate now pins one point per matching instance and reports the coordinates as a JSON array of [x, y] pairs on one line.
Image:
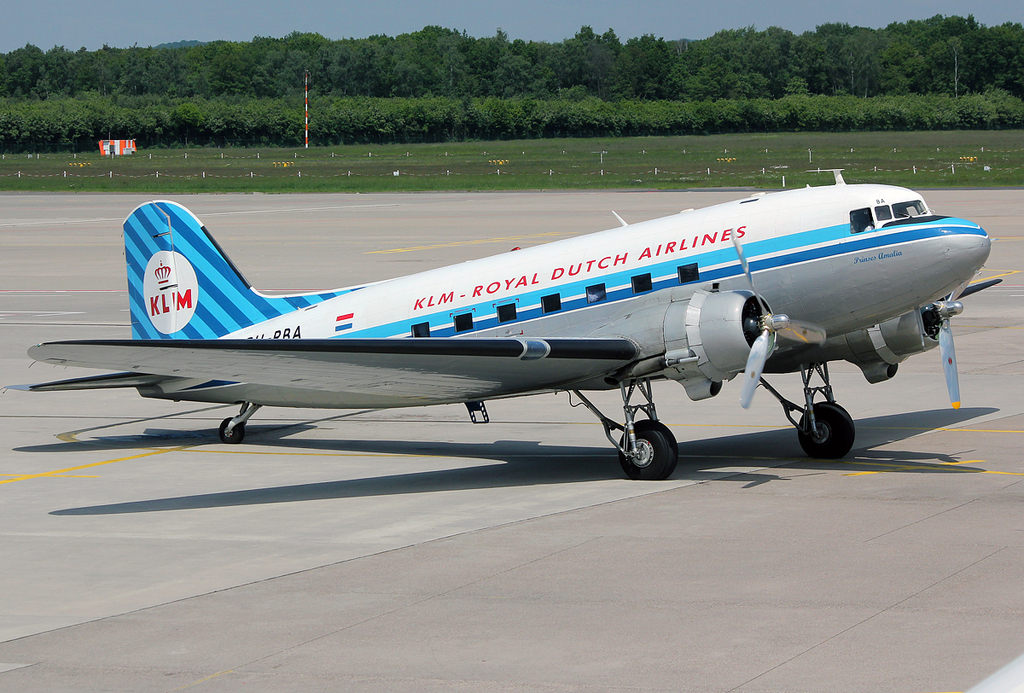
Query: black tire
[[660, 452], [837, 432], [237, 433]]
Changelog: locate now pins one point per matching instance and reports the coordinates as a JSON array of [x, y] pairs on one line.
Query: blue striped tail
[[181, 285]]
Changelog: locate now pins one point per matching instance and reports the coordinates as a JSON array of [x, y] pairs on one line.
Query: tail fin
[[181, 285]]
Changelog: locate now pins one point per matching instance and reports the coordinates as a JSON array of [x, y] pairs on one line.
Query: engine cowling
[[879, 349], [708, 339]]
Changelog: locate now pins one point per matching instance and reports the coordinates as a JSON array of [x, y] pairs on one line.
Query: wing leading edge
[[357, 372]]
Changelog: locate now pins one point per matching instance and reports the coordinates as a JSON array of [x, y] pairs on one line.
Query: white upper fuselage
[[806, 261]]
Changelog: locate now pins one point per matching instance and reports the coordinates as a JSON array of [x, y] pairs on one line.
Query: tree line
[[76, 124], [951, 56]]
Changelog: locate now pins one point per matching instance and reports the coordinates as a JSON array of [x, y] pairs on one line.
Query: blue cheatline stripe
[[573, 293]]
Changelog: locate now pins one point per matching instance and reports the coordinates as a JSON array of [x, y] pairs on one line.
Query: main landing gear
[[232, 429], [647, 448], [825, 429]]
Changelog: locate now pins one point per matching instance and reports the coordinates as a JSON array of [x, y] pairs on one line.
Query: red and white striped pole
[[307, 108]]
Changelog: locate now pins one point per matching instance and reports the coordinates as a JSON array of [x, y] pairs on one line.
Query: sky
[[123, 23]]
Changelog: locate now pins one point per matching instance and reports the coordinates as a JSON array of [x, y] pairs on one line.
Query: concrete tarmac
[[414, 551]]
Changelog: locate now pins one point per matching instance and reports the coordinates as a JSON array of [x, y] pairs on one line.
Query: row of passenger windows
[[552, 303]]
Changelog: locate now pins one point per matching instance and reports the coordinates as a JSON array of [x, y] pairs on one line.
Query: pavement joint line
[[65, 476], [72, 436], [382, 454]]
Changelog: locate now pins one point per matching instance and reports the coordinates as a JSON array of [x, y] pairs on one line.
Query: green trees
[[947, 55], [438, 83]]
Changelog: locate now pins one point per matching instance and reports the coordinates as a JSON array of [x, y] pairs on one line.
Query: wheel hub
[[822, 432], [643, 455]]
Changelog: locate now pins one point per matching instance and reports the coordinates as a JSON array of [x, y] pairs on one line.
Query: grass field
[[770, 161]]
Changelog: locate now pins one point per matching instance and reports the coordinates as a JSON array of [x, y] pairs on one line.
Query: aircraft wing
[[372, 372]]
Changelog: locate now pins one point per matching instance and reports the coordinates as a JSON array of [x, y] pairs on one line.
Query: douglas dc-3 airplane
[[868, 273]]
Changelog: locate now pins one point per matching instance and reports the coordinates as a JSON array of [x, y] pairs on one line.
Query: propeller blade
[[746, 270], [800, 332], [743, 259], [758, 356], [975, 288], [948, 352]]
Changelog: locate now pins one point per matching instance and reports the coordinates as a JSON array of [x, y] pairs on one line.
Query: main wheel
[[834, 435], [237, 433], [657, 452], [647, 424]]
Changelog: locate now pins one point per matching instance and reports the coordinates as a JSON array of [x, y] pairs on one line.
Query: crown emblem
[[163, 272]]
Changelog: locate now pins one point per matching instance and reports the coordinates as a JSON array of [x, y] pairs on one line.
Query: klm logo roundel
[[170, 291]]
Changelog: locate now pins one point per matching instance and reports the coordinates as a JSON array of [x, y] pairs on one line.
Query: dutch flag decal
[[343, 322]]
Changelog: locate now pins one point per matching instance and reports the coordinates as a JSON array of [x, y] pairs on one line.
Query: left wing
[[365, 372]]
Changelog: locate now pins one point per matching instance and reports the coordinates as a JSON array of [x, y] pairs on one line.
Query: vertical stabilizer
[[181, 285]]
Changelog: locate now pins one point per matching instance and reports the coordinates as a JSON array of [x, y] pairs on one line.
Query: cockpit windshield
[[908, 210]]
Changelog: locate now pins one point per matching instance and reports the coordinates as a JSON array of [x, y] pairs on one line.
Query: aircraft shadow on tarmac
[[528, 463]]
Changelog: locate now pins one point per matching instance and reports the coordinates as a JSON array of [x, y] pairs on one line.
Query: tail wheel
[[236, 435], [657, 452], [834, 435]]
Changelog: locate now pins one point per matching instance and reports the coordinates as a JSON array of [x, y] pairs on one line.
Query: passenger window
[[596, 293], [883, 213], [507, 312], [688, 273], [860, 220], [463, 322], [642, 283], [421, 329], [551, 303]]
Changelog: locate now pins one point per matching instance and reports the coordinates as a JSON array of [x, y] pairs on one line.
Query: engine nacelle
[[708, 339], [879, 348]]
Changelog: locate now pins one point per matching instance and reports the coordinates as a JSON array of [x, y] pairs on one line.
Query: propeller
[[773, 328], [936, 322], [936, 319], [948, 351], [763, 347]]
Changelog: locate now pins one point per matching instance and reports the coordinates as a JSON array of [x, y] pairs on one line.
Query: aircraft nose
[[967, 253]]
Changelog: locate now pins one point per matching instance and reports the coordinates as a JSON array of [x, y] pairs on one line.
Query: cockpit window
[[860, 220], [907, 210], [883, 213]]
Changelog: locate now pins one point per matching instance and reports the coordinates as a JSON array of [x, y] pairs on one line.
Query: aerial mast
[[306, 84]]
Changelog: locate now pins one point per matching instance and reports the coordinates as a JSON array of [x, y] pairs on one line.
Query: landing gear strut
[[825, 429], [647, 448], [232, 429]]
